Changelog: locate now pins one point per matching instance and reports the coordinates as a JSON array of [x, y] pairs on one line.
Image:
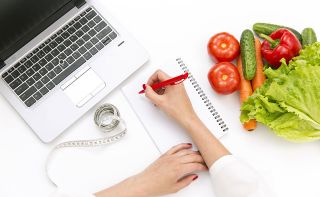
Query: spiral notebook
[[164, 131]]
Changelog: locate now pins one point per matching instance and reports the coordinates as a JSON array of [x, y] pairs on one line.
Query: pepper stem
[[273, 42]]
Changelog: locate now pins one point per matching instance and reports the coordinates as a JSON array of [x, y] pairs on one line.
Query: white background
[[168, 28]]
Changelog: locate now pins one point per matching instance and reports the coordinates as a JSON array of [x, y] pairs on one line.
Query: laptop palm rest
[[83, 86]]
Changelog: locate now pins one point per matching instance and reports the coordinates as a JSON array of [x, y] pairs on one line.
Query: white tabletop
[[166, 28]]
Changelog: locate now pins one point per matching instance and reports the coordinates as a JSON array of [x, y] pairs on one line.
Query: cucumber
[[267, 29], [248, 54], [308, 36]]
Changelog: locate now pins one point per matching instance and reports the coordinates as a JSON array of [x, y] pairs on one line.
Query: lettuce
[[289, 100]]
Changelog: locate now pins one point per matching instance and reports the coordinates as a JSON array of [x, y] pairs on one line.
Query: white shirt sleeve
[[59, 193], [234, 178]]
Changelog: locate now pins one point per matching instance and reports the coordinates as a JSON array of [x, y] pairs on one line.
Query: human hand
[[172, 172], [173, 100]]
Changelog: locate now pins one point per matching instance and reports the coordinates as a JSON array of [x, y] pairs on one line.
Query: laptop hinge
[[2, 64], [79, 3]]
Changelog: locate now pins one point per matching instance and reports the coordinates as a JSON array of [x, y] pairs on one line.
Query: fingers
[[185, 152], [192, 158], [158, 76], [185, 181], [192, 167], [153, 96], [178, 148]]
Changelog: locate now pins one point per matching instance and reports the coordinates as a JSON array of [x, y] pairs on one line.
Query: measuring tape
[[107, 118]]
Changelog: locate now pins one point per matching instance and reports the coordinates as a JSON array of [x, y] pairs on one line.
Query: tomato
[[224, 47], [224, 78]]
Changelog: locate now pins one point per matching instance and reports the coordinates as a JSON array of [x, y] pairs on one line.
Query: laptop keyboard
[[59, 56]]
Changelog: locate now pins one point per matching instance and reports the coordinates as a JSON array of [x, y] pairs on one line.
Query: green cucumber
[[267, 29], [248, 54], [308, 37]]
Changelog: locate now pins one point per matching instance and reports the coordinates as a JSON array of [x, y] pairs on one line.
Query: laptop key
[[69, 70], [99, 46], [21, 88], [83, 21], [59, 39], [44, 90], [87, 55], [43, 71], [53, 44], [47, 49], [83, 50], [71, 30], [79, 33], [88, 45], [42, 62], [74, 47], [94, 40], [50, 85], [38, 85], [65, 35], [34, 59], [68, 51], [49, 57], [91, 15], [55, 61], [10, 70], [85, 28], [41, 54], [30, 72], [113, 35], [93, 50], [86, 37], [9, 79], [100, 26], [77, 25], [30, 102], [36, 67], [62, 56], [57, 69], [49, 66], [64, 64], [92, 32], [23, 77], [24, 96], [51, 75], [97, 19], [55, 52], [15, 83], [80, 42], [104, 33], [61, 47], [37, 95], [77, 18], [73, 38], [36, 76], [28, 64], [106, 40], [91, 24], [22, 68], [30, 81], [4, 75], [67, 43], [15, 74], [45, 79], [70, 60], [76, 55]]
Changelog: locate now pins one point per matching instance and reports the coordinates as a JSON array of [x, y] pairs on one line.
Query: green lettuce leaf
[[289, 100]]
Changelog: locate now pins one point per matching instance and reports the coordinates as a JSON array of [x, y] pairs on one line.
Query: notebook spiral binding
[[203, 96]]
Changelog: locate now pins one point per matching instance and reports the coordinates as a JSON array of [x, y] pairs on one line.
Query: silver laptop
[[58, 58]]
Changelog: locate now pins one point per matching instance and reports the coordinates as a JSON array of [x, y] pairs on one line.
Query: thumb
[[152, 95], [187, 180]]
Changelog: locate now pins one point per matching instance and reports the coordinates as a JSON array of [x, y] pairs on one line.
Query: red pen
[[173, 81]]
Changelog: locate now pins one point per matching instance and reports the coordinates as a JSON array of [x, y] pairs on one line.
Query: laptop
[[59, 58]]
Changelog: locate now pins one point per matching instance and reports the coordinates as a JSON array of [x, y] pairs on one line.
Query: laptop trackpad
[[84, 87]]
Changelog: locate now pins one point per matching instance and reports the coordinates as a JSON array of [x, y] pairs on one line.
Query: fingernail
[[195, 178], [189, 144], [144, 86]]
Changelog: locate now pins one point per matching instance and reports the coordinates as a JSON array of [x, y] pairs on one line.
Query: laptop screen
[[21, 20]]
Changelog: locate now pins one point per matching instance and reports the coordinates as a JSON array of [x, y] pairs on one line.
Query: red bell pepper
[[280, 44]]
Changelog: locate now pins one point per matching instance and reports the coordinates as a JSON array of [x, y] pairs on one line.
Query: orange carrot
[[245, 92], [260, 78]]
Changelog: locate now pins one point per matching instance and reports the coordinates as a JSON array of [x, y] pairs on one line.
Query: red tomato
[[224, 78], [224, 47]]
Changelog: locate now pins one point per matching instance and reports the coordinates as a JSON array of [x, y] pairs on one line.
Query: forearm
[[209, 146], [127, 188]]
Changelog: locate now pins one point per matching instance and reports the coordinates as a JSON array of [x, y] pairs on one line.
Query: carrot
[[260, 78], [245, 92]]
